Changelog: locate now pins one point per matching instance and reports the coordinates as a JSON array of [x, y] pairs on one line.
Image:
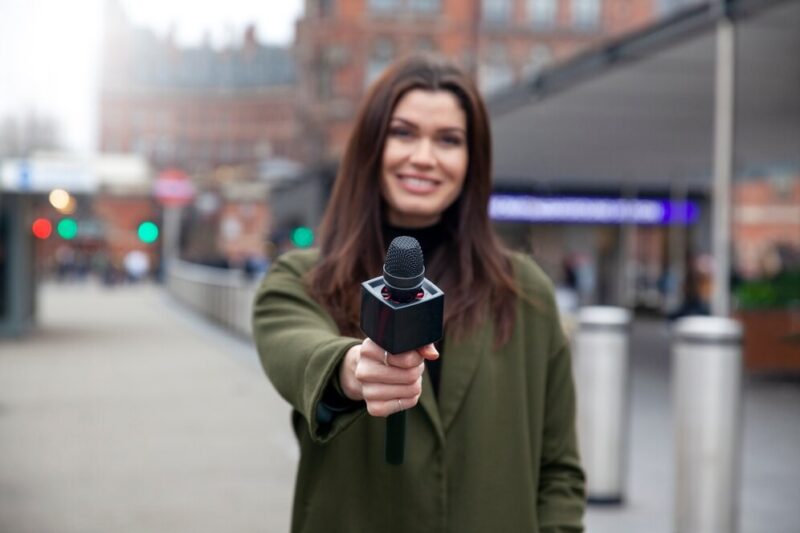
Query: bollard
[[601, 376], [707, 370]]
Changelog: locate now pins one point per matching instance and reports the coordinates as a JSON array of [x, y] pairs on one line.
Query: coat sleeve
[[561, 484], [299, 344]]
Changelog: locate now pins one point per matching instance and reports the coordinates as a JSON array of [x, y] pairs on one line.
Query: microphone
[[401, 311]]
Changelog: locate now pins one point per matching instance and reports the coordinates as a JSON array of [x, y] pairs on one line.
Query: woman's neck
[[429, 237]]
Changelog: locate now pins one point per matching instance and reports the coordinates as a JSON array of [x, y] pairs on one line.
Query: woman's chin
[[414, 218]]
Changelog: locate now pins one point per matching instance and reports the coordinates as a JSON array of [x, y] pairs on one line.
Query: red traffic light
[[42, 228]]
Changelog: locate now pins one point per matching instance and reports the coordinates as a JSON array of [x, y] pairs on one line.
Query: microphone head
[[404, 258], [404, 269]]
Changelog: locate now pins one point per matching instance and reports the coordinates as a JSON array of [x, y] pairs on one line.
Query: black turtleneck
[[430, 239]]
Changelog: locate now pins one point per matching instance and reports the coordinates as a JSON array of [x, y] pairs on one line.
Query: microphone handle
[[396, 438]]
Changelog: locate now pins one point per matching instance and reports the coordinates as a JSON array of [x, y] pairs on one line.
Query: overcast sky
[[49, 49]]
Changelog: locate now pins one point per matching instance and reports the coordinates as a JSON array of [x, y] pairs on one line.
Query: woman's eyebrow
[[455, 129], [404, 121]]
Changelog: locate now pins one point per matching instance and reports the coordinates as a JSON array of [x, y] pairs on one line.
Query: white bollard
[[707, 373], [601, 376]]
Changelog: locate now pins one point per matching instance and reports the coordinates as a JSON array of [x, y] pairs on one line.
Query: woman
[[490, 412]]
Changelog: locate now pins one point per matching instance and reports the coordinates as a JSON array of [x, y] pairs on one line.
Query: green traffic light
[[302, 237], [67, 229], [148, 232]]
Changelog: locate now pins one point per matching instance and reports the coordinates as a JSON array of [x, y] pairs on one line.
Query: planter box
[[771, 339]]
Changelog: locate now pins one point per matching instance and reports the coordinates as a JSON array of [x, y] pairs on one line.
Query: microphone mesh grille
[[404, 258]]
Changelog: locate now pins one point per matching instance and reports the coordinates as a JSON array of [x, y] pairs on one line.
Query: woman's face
[[425, 157]]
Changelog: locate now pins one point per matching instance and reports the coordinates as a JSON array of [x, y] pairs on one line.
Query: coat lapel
[[461, 361], [428, 402]]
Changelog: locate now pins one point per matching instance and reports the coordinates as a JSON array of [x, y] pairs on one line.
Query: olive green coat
[[496, 453]]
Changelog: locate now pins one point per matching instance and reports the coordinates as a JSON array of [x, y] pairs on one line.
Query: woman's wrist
[[350, 386]]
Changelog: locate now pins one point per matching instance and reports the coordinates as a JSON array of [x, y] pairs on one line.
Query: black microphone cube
[[400, 327]]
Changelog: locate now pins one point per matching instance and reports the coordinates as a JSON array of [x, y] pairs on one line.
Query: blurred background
[[156, 156]]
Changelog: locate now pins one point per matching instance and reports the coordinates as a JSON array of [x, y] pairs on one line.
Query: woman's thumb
[[429, 352]]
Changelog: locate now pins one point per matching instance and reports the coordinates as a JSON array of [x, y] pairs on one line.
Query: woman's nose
[[423, 153]]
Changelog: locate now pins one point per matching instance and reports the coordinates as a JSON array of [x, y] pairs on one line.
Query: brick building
[[342, 45], [194, 108], [766, 225]]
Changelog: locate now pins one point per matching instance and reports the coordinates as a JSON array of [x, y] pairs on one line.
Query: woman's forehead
[[441, 108]]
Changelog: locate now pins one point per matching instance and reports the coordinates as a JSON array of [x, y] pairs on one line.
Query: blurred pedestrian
[[137, 265], [491, 424]]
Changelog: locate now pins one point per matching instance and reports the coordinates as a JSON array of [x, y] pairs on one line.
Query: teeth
[[418, 181]]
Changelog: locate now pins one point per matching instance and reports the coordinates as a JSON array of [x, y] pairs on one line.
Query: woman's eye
[[452, 140], [399, 132]]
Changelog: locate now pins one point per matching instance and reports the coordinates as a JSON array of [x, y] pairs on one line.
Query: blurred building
[[341, 46], [219, 115], [631, 123], [194, 108], [68, 216], [766, 225]]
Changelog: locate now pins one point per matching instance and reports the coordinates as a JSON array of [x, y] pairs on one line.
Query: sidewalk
[[126, 413]]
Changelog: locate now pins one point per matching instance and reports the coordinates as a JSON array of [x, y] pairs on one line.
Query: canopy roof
[[638, 112]]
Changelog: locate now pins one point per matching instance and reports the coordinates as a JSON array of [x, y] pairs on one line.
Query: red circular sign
[[174, 188]]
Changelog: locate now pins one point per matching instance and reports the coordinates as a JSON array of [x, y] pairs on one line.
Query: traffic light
[[302, 236], [148, 232], [67, 229], [42, 228]]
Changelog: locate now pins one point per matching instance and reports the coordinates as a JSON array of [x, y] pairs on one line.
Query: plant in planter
[[769, 310]]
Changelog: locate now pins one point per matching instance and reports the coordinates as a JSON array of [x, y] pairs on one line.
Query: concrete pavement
[[126, 413]]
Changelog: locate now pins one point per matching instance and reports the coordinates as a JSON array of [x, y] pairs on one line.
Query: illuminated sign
[[588, 210]]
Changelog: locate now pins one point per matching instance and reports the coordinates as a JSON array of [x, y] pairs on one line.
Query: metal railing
[[222, 295]]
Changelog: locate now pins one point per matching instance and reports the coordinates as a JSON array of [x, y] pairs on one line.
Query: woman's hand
[[388, 383]]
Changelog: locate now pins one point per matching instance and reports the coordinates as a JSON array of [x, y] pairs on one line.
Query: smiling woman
[[490, 408]]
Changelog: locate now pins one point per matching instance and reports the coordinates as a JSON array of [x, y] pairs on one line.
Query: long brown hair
[[471, 265]]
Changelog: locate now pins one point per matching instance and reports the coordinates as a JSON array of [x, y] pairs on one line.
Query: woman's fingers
[[372, 372], [407, 359], [389, 407], [391, 382], [381, 392]]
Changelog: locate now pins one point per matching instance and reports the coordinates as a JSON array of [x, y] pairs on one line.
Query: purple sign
[[588, 210]]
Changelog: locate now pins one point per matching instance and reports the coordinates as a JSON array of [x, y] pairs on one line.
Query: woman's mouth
[[417, 184]]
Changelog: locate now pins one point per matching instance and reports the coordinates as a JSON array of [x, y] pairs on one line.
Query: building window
[[324, 80], [324, 8], [381, 55], [425, 45], [425, 6], [383, 6], [667, 7], [496, 11], [495, 70], [543, 13], [586, 14]]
